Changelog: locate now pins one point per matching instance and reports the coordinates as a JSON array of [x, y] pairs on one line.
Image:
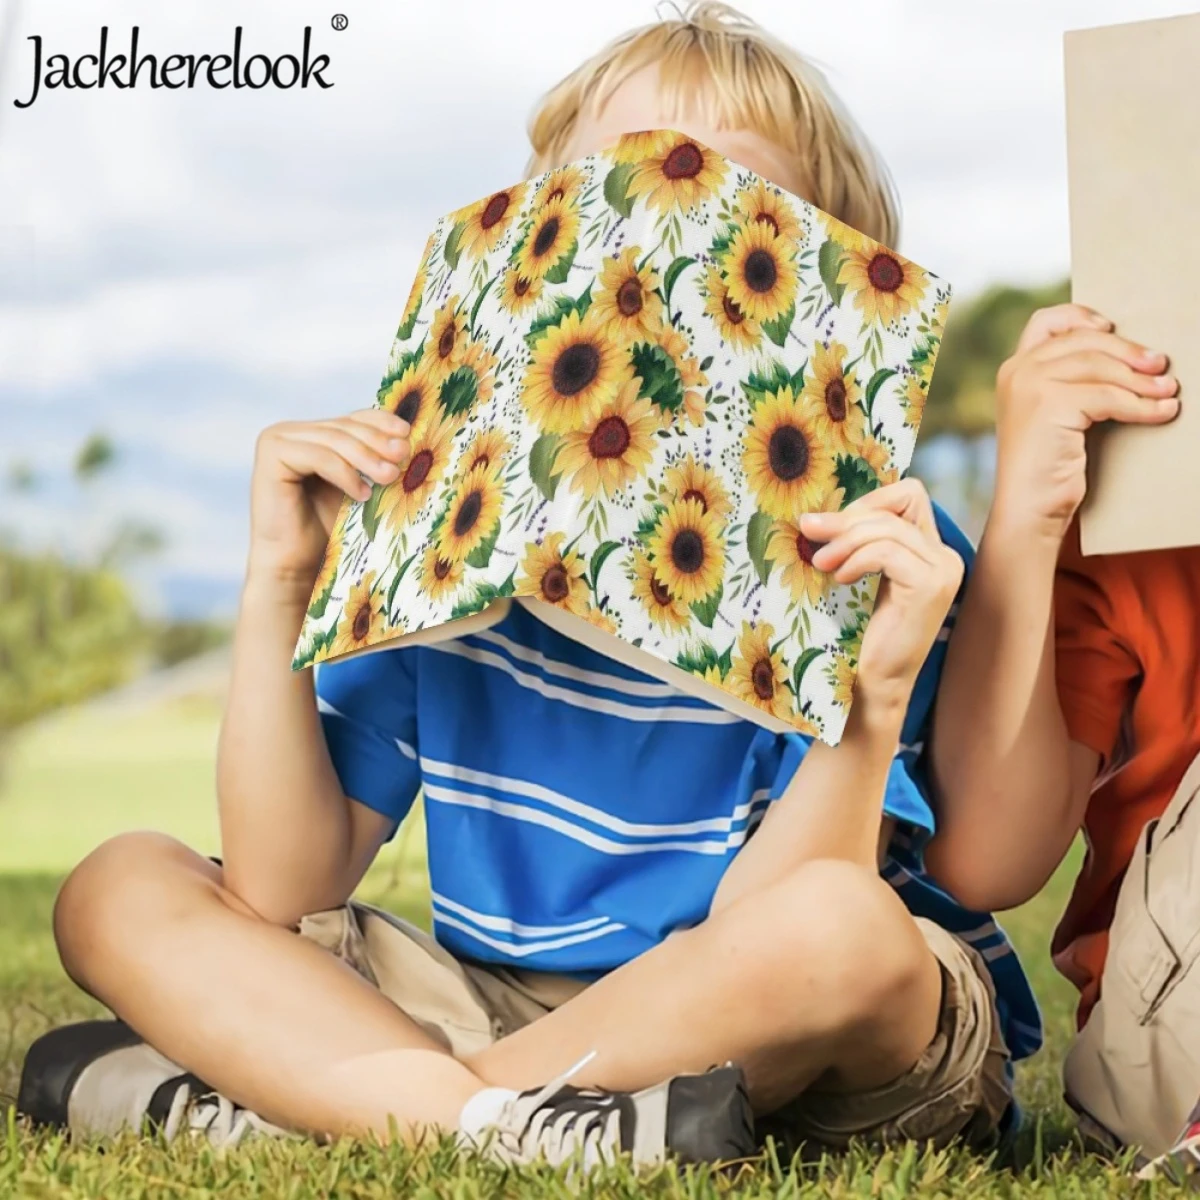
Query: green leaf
[[599, 559], [649, 523], [451, 250], [758, 537], [391, 595], [616, 188], [722, 242], [758, 383], [459, 391], [872, 390], [829, 263], [479, 300], [802, 664], [673, 272], [856, 477], [509, 585], [698, 661], [406, 327], [316, 609], [661, 382], [561, 269], [370, 512], [777, 330], [541, 463], [482, 554], [725, 662], [706, 609]]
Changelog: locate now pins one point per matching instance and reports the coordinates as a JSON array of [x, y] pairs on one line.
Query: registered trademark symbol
[[340, 21]]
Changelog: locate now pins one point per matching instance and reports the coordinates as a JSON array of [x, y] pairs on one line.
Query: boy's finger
[[1140, 357], [305, 459], [384, 419], [1093, 366], [1108, 402], [907, 498], [877, 528], [1047, 323], [355, 451], [894, 561], [391, 445]]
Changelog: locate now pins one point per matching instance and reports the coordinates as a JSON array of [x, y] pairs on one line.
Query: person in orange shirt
[[1071, 699]]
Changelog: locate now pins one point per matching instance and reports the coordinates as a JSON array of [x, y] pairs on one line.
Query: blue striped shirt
[[579, 811]]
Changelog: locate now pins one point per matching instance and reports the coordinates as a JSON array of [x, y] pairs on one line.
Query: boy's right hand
[[1069, 371], [302, 469]]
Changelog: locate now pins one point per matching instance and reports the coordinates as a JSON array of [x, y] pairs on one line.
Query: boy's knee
[[113, 890]]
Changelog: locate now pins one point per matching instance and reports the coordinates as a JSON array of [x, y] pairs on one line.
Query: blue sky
[[179, 269]]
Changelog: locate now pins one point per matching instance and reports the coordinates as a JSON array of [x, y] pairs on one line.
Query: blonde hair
[[757, 83]]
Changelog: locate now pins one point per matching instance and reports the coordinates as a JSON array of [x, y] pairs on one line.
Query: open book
[[627, 379]]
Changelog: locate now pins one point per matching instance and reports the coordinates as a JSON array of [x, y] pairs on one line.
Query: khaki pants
[[1135, 1067]]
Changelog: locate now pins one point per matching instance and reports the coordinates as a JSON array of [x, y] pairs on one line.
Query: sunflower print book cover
[[626, 379]]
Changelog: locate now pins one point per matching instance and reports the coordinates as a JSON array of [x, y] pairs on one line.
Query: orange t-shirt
[[1127, 647]]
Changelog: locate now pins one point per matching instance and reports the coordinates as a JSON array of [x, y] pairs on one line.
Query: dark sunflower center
[[441, 568], [575, 368], [417, 470], [762, 676], [362, 623], [733, 314], [806, 549], [546, 237], [494, 210], [610, 438], [410, 405], [468, 514], [760, 271], [660, 593], [687, 551], [765, 218], [446, 341], [555, 584], [835, 399], [787, 453], [684, 162], [885, 273], [521, 286], [629, 298], [693, 494]]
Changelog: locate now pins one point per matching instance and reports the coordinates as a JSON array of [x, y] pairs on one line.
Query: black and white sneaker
[[690, 1118], [98, 1078]]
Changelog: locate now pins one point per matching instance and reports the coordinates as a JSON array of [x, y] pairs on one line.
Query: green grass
[[70, 783]]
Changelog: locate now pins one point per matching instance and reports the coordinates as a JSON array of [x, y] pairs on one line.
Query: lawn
[[68, 783]]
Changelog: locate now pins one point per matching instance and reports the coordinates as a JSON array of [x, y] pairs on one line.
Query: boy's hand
[[891, 530], [302, 469], [1069, 370]]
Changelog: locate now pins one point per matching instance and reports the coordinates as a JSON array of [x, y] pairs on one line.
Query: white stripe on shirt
[[529, 947], [514, 928]]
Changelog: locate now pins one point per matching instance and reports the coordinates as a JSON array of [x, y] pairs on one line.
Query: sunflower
[[712, 675], [417, 291], [913, 401], [333, 556], [412, 396], [440, 577], [548, 237], [760, 272], [627, 301], [688, 551], [486, 222], [759, 677], [768, 206], [675, 345], [634, 147], [553, 577], [689, 480], [841, 673], [564, 183], [832, 398], [794, 553], [613, 447], [489, 449], [447, 341], [482, 363], [879, 458], [885, 286], [518, 293], [473, 513], [601, 620], [662, 608], [678, 173], [362, 618], [428, 457], [788, 467], [575, 370], [846, 236], [733, 326]]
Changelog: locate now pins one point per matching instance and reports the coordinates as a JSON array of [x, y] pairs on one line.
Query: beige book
[[1133, 151]]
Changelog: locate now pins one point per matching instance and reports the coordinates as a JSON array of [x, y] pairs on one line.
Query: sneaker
[[98, 1078], [1181, 1164], [690, 1118]]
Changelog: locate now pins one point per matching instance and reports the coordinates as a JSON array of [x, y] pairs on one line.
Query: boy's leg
[[265, 1016]]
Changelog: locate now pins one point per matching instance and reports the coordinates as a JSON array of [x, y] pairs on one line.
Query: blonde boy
[[790, 957]]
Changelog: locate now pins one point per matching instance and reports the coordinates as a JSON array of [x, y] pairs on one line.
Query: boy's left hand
[[891, 530]]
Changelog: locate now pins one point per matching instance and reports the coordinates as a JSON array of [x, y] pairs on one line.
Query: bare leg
[[268, 1018]]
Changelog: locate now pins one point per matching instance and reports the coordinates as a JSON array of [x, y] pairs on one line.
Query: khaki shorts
[[958, 1088]]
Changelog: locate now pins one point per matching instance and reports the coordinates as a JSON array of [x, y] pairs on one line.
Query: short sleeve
[[368, 709], [1094, 661]]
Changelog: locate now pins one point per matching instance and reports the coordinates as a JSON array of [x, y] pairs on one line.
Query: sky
[[180, 269]]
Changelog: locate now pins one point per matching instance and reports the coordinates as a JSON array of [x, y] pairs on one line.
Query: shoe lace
[[214, 1116]]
